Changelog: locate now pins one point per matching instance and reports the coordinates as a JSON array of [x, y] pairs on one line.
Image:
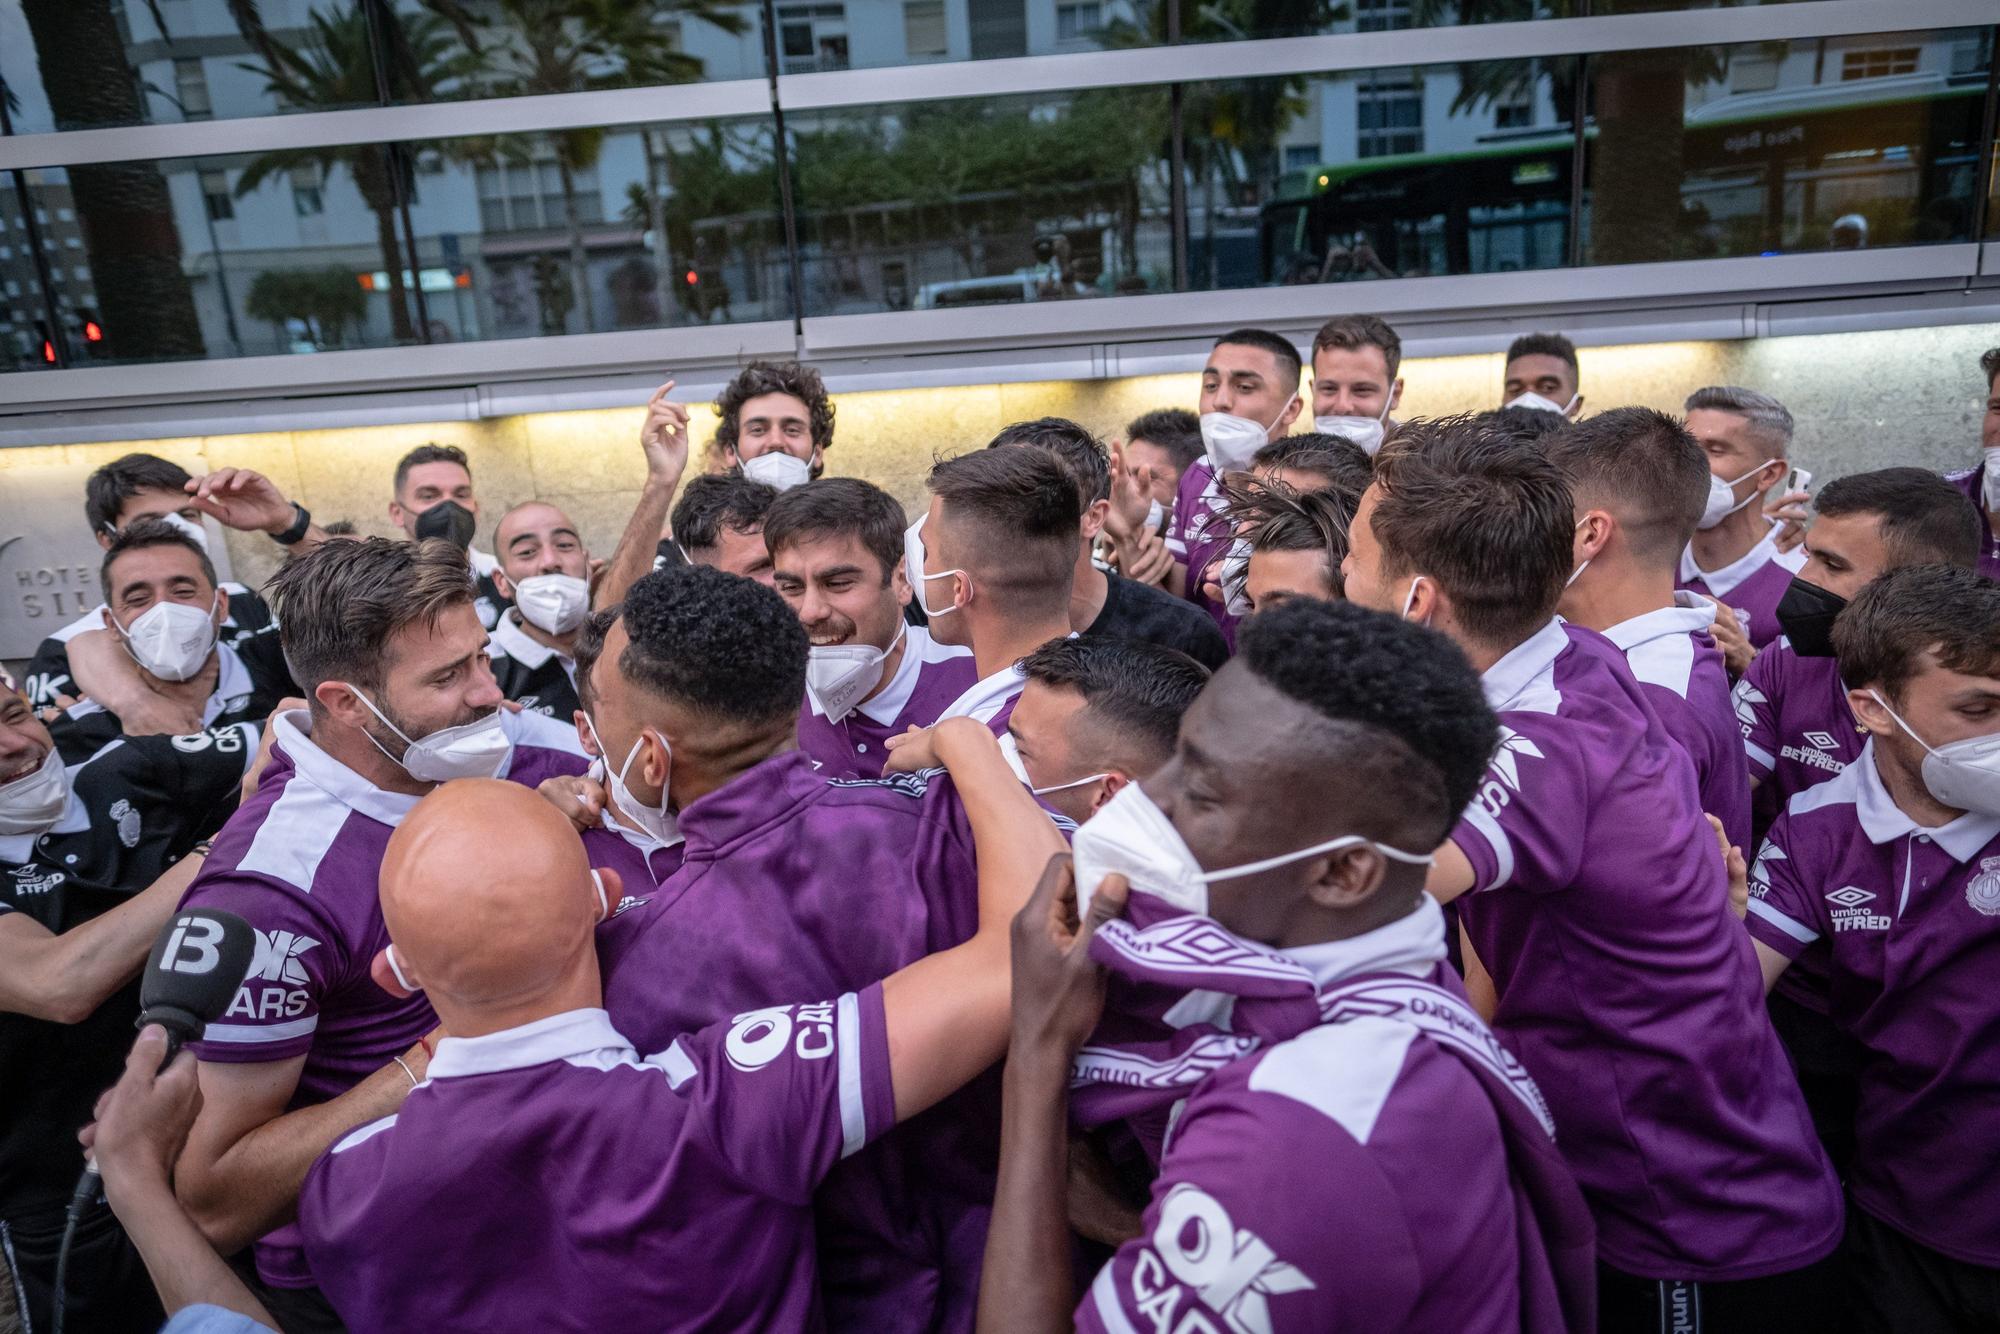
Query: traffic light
[[48, 342], [92, 332]]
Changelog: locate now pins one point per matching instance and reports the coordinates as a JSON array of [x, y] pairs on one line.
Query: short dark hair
[[1528, 425], [589, 647], [714, 499], [1881, 637], [718, 644], [339, 604], [1349, 332], [1543, 345], [1391, 678], [151, 532], [774, 377], [1487, 517], [1279, 346], [1271, 516], [834, 506], [423, 454], [1924, 520], [1644, 466], [1018, 507], [1082, 454], [1989, 364], [1135, 691], [1176, 430], [1334, 459], [107, 489]]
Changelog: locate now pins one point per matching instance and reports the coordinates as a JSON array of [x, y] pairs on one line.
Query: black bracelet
[[296, 533]]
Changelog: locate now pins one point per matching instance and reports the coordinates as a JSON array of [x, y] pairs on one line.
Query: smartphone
[[1799, 480]]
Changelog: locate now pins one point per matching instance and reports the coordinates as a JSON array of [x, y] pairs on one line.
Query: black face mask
[[1806, 614], [449, 520]]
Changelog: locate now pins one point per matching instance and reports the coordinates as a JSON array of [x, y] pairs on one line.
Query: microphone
[[198, 961]]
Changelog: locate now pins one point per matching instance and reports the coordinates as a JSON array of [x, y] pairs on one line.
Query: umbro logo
[[1824, 740], [1849, 897]]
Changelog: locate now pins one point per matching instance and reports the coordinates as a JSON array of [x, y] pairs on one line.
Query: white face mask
[[1722, 501], [913, 566], [171, 640], [478, 749], [1132, 837], [778, 469], [840, 676], [1364, 431], [1990, 482], [1156, 514], [1010, 751], [1964, 775], [1233, 441], [33, 803], [553, 603], [654, 822], [1532, 399], [1231, 574]]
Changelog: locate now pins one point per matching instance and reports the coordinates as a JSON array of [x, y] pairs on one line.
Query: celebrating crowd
[[1531, 870]]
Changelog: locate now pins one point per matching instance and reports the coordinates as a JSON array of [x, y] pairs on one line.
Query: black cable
[[80, 1198]]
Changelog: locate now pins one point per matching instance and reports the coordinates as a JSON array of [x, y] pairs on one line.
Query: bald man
[[544, 571], [547, 1175]]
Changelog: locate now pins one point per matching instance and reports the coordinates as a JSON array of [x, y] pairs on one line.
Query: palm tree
[[124, 207], [334, 66]]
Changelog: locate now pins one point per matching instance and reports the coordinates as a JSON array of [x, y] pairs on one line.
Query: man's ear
[[585, 737], [1290, 414], [1593, 534], [1871, 713], [397, 517], [1093, 518], [1576, 408], [1347, 877], [383, 971], [1396, 395], [221, 606], [110, 621], [1114, 782], [899, 584], [503, 584], [339, 704]]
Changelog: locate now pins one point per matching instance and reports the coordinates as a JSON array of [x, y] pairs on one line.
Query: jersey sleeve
[[198, 776], [784, 1093], [1757, 715], [1233, 1237], [48, 674], [298, 962], [1523, 826], [1785, 912]]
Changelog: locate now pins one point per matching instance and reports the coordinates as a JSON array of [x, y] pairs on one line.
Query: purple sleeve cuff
[[1772, 928], [868, 1091]]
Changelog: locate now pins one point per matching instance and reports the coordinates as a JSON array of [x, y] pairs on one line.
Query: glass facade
[[828, 204]]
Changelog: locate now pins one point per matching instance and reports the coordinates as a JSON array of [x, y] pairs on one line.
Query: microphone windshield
[[197, 964]]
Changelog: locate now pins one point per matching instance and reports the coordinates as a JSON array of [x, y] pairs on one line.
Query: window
[[1301, 157], [1753, 74], [191, 90], [215, 192], [1390, 113], [528, 196], [307, 201], [1878, 64], [1381, 15], [812, 37], [924, 30], [1516, 111], [1077, 21]]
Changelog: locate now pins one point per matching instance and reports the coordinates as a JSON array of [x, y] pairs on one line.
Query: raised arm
[[250, 502], [947, 1014], [664, 438], [246, 1157], [63, 978]]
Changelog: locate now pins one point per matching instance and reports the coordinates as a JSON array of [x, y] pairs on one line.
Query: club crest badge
[[1983, 890]]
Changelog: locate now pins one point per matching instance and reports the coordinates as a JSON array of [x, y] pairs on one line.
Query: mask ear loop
[[603, 900], [389, 954]]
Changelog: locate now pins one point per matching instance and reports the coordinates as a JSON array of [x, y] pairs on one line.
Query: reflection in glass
[[999, 201], [1404, 172], [1841, 143], [303, 250]]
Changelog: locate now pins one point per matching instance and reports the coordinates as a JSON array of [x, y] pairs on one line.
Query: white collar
[[986, 697], [482, 562], [556, 1038], [919, 652], [516, 643], [332, 777], [1528, 660], [19, 849], [1884, 821], [1722, 582], [1411, 944], [1690, 613]]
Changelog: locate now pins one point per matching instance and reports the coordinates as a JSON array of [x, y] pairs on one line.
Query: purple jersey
[[1625, 984], [1750, 587], [299, 862], [990, 699], [929, 677], [1910, 918], [794, 886], [1456, 1214], [1680, 670], [1972, 481], [1196, 536], [613, 1191], [642, 865]]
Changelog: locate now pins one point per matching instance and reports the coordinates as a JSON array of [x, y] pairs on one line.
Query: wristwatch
[[301, 521]]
